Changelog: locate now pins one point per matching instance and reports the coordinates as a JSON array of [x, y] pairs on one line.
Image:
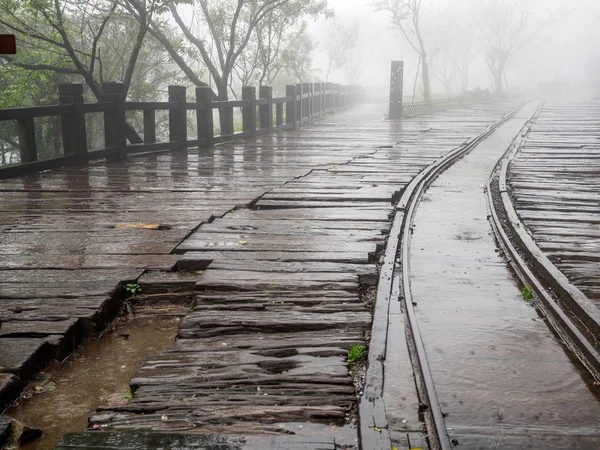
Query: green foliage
[[356, 353], [133, 289], [129, 395], [527, 293]]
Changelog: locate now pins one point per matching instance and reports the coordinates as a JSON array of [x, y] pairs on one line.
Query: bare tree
[[275, 42], [506, 27], [346, 49], [227, 27], [339, 39], [406, 17]]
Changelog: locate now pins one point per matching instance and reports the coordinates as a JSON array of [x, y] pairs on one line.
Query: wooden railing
[[435, 104], [302, 103]]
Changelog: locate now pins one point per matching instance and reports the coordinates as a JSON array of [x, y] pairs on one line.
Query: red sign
[[8, 44]]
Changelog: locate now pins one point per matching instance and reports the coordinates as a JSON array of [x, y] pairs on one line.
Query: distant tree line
[[147, 45], [450, 39]]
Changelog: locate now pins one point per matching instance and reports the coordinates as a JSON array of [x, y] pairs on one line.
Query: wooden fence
[[261, 115]]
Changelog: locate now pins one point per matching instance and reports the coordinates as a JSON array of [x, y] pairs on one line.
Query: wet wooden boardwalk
[[555, 187], [281, 280]]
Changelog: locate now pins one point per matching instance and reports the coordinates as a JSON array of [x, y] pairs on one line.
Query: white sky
[[571, 48]]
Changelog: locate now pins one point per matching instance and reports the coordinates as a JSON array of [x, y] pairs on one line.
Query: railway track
[[437, 406], [406, 210], [563, 305]]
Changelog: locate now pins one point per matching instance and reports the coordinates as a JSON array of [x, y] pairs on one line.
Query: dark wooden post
[[73, 127], [320, 99], [178, 117], [306, 101], [396, 84], [279, 114], [299, 100], [329, 96], [290, 106], [204, 119], [27, 141], [149, 126], [249, 111], [114, 120], [266, 111], [311, 100]]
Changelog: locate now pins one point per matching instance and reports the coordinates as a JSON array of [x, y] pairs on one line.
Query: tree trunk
[[225, 114], [464, 78], [425, 77], [497, 74]]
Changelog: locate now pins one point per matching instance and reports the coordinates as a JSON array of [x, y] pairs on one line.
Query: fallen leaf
[[140, 226], [377, 429], [242, 242], [163, 418]]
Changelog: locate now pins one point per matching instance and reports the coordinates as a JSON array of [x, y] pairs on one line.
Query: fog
[[503, 47], [564, 53]]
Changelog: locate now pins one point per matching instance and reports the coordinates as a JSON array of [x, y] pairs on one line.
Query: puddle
[[62, 398]]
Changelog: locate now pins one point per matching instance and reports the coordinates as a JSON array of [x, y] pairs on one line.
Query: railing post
[[320, 104], [330, 97], [290, 106], [279, 114], [114, 121], [204, 119], [73, 126], [299, 102], [27, 141], [249, 111], [306, 101], [311, 101], [178, 117], [149, 126], [266, 111]]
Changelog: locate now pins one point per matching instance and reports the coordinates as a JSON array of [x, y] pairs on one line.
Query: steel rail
[[430, 407], [527, 271]]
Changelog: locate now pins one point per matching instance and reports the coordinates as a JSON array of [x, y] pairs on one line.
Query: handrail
[[260, 114]]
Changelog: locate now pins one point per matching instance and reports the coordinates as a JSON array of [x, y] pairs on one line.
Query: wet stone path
[[279, 287], [503, 378], [66, 240]]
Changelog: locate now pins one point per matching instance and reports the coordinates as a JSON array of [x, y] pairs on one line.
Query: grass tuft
[[356, 353], [527, 293]]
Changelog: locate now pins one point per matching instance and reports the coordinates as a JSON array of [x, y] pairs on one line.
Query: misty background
[[564, 53], [545, 48]]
